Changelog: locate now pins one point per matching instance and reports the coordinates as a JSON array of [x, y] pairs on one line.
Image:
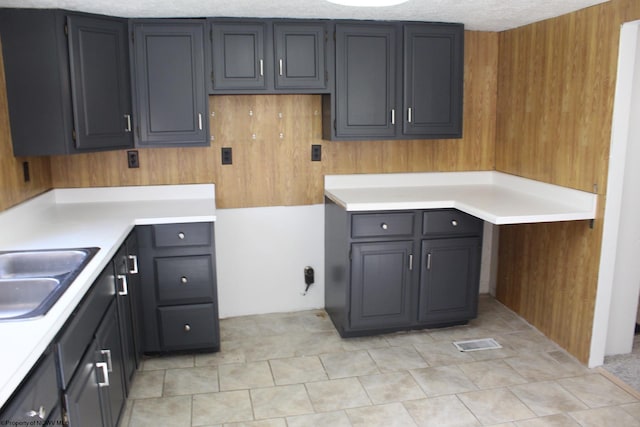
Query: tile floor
[[293, 369]]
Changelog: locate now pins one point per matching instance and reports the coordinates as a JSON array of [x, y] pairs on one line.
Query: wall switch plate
[[227, 156], [316, 152], [132, 159]]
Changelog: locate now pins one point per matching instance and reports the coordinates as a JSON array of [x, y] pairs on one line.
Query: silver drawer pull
[[454, 222], [187, 327], [105, 374], [184, 279], [40, 413], [134, 269], [384, 226], [181, 235], [109, 361], [122, 278]]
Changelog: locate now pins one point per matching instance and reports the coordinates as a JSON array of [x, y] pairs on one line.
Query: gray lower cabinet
[[178, 282], [393, 270]]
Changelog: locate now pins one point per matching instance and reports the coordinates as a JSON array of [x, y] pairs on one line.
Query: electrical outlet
[[227, 156], [316, 152], [132, 159], [25, 171]]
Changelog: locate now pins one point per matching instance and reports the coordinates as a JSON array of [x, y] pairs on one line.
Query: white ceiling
[[483, 15]]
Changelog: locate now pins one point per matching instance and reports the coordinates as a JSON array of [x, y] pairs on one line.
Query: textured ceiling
[[484, 15]]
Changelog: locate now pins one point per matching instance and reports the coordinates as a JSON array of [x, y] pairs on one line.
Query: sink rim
[[65, 281]]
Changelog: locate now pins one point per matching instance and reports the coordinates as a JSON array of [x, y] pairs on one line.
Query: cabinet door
[[100, 88], [380, 284], [449, 277], [366, 81], [299, 56], [238, 55], [433, 79], [135, 293], [82, 398], [109, 351], [170, 86], [124, 290]]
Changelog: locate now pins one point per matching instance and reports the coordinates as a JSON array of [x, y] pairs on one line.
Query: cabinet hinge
[[66, 30], [211, 34], [335, 126], [132, 37], [212, 81], [334, 36], [73, 134], [326, 76], [350, 255]]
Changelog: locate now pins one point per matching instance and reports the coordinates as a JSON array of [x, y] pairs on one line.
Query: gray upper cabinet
[[365, 96], [299, 55], [397, 81], [268, 57], [67, 79], [238, 55], [433, 65], [170, 96]]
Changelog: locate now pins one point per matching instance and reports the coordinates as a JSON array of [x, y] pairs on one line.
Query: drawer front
[[37, 397], [184, 279], [188, 327], [450, 221], [382, 225], [187, 234], [78, 334]]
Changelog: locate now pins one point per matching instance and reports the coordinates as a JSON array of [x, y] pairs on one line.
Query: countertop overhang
[[496, 197], [73, 218]]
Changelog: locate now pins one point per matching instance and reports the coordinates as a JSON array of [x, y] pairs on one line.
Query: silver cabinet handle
[[261, 67], [411, 262], [40, 413], [384, 226], [454, 222], [187, 327], [105, 374], [409, 115], [184, 280], [429, 261], [128, 117], [134, 269], [181, 235], [393, 116], [200, 121], [280, 66], [109, 361], [125, 287]]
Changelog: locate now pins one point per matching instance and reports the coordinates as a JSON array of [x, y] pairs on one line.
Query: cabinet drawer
[[382, 224], [187, 234], [37, 397], [188, 326], [78, 334], [184, 279], [450, 221]]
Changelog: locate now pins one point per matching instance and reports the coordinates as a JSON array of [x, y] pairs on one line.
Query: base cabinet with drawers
[[394, 270], [178, 281]]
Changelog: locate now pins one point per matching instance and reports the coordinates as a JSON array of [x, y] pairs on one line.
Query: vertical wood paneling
[[13, 189], [555, 100], [270, 170]]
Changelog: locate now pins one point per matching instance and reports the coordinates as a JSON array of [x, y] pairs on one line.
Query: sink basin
[[32, 281]]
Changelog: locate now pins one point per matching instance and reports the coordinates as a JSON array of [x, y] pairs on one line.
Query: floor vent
[[475, 345]]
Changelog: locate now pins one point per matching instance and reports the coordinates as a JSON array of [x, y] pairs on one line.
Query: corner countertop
[[496, 197], [74, 218]]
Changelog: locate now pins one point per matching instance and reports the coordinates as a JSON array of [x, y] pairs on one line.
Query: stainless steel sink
[[32, 281]]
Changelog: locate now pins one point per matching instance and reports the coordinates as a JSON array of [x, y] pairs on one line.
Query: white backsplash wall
[[261, 254]]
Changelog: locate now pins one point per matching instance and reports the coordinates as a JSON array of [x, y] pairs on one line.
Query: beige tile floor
[[293, 369]]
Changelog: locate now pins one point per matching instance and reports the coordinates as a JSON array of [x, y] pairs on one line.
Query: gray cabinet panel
[[82, 398], [100, 86], [299, 55], [171, 102], [238, 55], [365, 80], [380, 284], [449, 279], [433, 64]]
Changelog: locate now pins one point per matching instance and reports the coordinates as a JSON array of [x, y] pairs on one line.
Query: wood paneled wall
[[555, 101], [271, 137], [13, 189]]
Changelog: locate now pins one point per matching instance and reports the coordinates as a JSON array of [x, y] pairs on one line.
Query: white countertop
[[74, 218], [495, 197]]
